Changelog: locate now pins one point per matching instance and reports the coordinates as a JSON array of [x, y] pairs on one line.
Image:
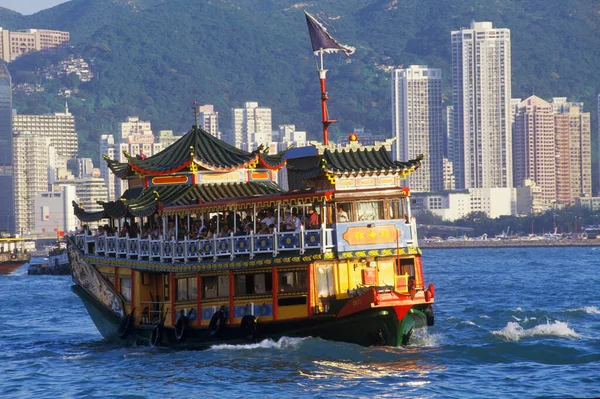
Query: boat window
[[396, 209], [215, 286], [256, 283], [294, 281], [187, 289], [407, 266], [125, 288], [371, 210], [325, 281], [343, 212]]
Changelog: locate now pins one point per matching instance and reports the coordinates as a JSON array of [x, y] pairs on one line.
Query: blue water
[[510, 323]]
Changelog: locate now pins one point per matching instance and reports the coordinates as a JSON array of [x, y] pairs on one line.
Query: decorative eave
[[196, 149], [354, 160], [154, 200]]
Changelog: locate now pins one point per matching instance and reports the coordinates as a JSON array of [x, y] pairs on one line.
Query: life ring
[[249, 327], [217, 323], [181, 327], [157, 335], [125, 326]]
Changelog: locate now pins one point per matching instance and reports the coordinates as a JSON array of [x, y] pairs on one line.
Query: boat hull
[[11, 262], [372, 327]]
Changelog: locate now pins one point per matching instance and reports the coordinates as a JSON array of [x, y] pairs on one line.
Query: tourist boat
[[13, 254], [335, 254], [355, 276]]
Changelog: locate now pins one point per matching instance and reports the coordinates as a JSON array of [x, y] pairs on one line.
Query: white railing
[[194, 250]]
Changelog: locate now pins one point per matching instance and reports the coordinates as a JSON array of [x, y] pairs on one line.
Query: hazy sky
[[27, 7]]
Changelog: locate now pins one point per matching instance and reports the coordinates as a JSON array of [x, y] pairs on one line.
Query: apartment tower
[[417, 123], [208, 119], [573, 155], [7, 205], [481, 89], [251, 126], [534, 151]]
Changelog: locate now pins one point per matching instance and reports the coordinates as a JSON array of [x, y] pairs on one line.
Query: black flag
[[321, 40]]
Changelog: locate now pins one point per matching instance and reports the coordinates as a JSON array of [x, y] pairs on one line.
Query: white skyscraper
[[208, 119], [481, 89], [417, 123], [108, 148], [251, 126]]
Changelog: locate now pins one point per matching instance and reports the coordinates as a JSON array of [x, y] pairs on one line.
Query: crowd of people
[[219, 225]]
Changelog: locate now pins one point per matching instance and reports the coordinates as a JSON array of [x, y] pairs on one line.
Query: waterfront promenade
[[508, 243]]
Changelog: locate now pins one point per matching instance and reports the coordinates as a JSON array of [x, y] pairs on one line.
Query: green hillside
[[153, 58]]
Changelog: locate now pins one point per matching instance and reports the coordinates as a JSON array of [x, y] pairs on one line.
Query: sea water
[[509, 323]]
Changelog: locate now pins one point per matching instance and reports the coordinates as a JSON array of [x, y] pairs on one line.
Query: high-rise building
[[167, 138], [417, 123], [108, 148], [251, 127], [59, 127], [31, 158], [14, 44], [7, 204], [573, 155], [288, 136], [562, 106], [598, 123], [54, 211], [481, 89], [534, 151], [208, 119], [135, 126], [138, 140]]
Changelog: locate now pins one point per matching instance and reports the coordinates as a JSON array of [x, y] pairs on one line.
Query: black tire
[[125, 326], [217, 323], [249, 327], [181, 328], [429, 315], [157, 336]]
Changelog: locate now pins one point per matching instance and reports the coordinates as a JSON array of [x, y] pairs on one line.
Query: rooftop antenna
[[322, 42]]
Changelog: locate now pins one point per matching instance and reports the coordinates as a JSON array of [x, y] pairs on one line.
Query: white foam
[[586, 309], [484, 316], [422, 338], [468, 322], [514, 332], [75, 357], [283, 343]]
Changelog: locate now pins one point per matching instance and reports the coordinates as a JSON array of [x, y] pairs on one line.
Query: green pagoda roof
[[197, 148], [353, 160], [151, 200]]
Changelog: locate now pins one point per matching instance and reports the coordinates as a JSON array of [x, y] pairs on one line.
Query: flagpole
[[324, 97], [321, 42]]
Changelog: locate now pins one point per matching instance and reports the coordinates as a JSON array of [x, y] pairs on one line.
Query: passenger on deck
[[124, 230], [313, 219], [270, 219], [342, 216], [296, 222]]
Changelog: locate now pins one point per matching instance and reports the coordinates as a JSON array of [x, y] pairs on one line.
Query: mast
[[323, 42], [324, 97]]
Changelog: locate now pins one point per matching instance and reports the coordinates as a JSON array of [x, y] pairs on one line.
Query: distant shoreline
[[509, 243]]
